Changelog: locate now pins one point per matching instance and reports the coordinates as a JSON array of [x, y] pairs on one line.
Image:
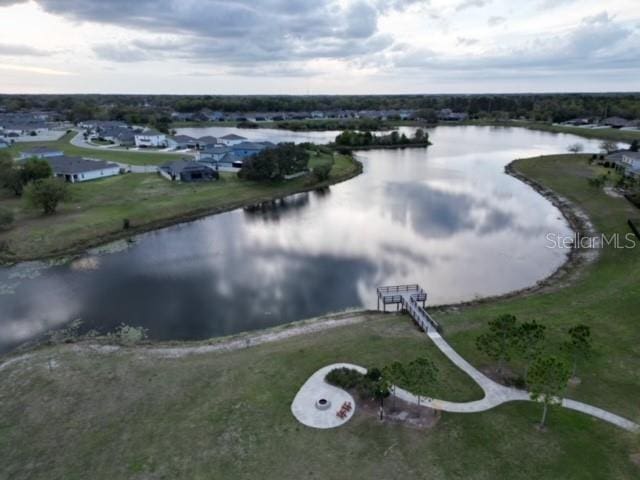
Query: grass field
[[96, 210], [130, 158], [224, 415], [612, 134], [227, 415], [607, 297]]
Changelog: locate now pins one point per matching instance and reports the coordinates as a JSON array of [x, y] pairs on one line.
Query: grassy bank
[[67, 412], [612, 134], [129, 158], [227, 415], [96, 210], [606, 296]]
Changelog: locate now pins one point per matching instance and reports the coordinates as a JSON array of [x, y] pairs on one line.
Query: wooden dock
[[410, 298]]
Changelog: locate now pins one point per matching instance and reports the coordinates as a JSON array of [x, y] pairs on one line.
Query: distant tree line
[[156, 109]]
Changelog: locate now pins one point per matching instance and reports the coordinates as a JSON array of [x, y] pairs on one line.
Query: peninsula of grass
[[96, 211], [611, 134], [606, 296], [121, 156], [68, 411]]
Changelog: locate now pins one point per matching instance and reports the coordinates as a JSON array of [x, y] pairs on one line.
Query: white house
[[631, 162], [232, 139], [151, 138], [76, 169]]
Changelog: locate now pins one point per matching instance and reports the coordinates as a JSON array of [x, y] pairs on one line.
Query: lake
[[446, 217]]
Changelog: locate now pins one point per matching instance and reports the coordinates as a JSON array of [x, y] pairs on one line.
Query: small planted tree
[[608, 146], [579, 345], [635, 145], [395, 374], [498, 343], [322, 172], [47, 193], [575, 148], [528, 343], [421, 375], [35, 169], [547, 379]]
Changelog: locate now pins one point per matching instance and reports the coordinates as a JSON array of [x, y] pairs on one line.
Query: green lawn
[[612, 134], [607, 296], [224, 415], [97, 209], [227, 415], [130, 158]]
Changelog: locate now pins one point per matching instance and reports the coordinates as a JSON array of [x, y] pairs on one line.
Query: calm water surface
[[446, 217]]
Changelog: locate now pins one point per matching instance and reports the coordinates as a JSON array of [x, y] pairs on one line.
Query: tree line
[[541, 107]]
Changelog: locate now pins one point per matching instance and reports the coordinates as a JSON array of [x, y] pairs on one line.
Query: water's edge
[[569, 271], [80, 247]]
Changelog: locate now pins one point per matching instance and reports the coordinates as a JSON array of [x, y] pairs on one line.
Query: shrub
[[346, 378], [322, 172], [128, 335], [46, 193], [6, 218]]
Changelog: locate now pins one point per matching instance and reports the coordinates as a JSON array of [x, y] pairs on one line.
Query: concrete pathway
[[494, 393], [304, 406]]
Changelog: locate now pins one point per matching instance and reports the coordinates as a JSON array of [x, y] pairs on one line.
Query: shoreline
[[78, 248], [576, 261]]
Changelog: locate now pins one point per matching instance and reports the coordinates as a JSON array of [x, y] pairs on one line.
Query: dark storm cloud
[[238, 31]]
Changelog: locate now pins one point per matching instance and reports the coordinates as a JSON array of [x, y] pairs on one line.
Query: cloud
[[21, 50], [465, 4], [464, 41], [246, 31], [597, 43], [120, 52], [494, 21], [32, 69]]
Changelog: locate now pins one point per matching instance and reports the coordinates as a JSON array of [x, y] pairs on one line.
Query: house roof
[[184, 138], [208, 139], [630, 154], [149, 133], [252, 145], [40, 151], [233, 136], [71, 165], [184, 164]]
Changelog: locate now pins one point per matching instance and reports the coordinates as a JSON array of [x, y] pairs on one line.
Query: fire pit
[[323, 404]]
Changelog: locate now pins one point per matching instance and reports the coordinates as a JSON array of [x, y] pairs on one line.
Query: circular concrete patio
[[305, 404]]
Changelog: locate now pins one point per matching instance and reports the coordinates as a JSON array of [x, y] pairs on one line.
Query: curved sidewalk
[[494, 393]]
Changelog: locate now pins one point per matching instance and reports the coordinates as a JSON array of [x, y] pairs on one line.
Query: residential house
[[449, 115], [40, 152], [615, 122], [151, 139], [183, 142], [76, 169], [232, 139], [243, 150], [212, 154], [206, 142], [631, 163], [187, 170]]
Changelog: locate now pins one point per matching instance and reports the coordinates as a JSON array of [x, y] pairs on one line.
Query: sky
[[318, 46]]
